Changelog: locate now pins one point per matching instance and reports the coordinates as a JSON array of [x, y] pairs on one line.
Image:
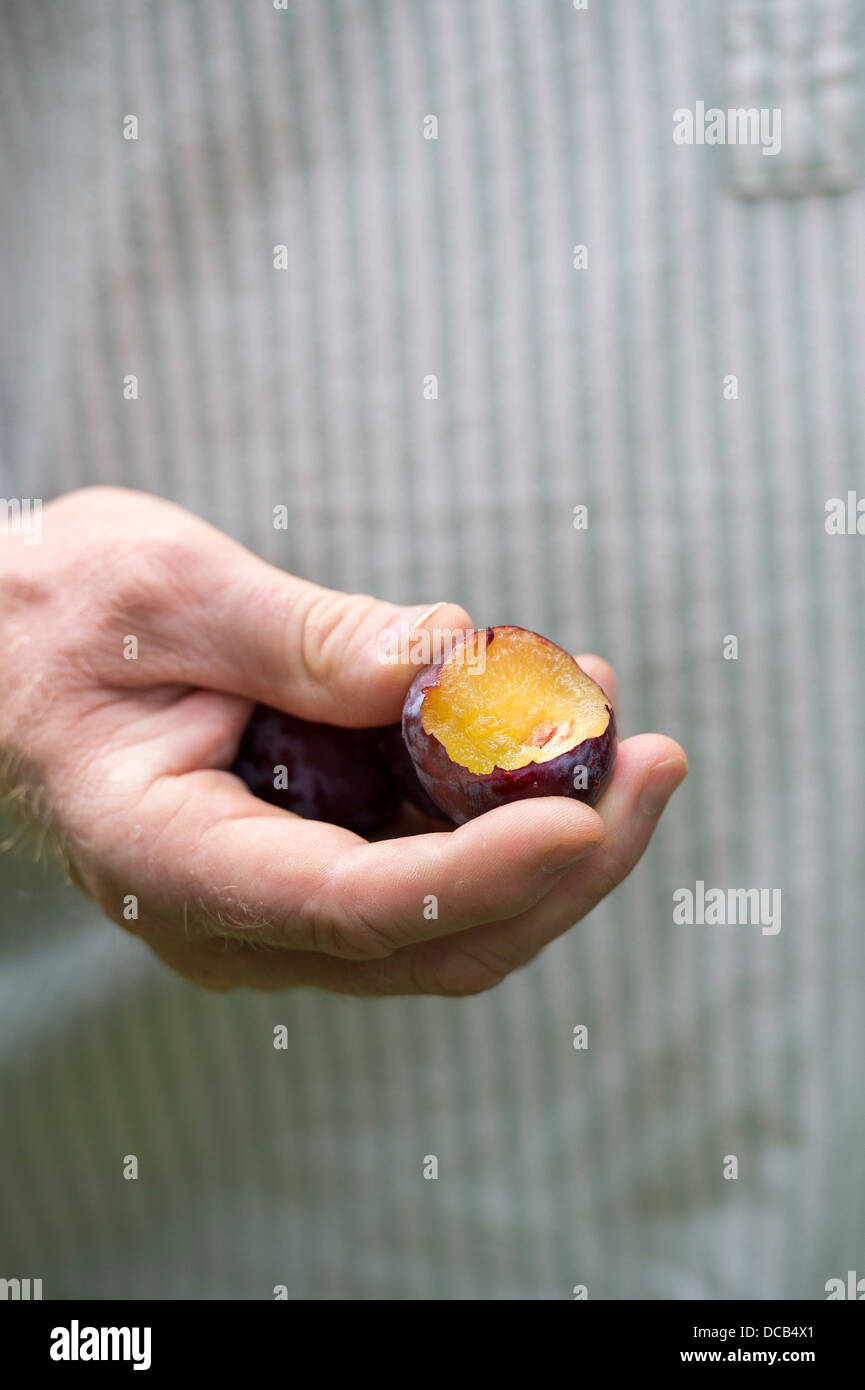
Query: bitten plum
[[505, 715], [392, 747], [331, 774]]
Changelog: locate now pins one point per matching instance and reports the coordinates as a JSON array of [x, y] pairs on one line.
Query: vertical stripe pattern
[[452, 257]]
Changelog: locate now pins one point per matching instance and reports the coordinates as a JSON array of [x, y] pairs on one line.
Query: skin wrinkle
[[314, 635], [493, 972], [329, 938], [277, 608], [431, 978], [334, 890]]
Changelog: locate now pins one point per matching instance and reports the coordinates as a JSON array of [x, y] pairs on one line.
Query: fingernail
[[660, 784], [563, 856], [394, 640], [419, 615]]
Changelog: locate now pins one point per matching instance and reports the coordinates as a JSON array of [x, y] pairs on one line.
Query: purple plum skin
[[393, 749], [462, 794], [332, 774]]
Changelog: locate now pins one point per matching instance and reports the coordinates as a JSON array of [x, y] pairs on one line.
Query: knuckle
[[330, 621], [364, 938], [153, 577], [607, 873], [341, 919], [354, 936], [154, 571], [320, 619], [460, 974]]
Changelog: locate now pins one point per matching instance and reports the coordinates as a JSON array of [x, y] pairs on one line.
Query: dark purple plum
[[392, 747], [507, 715], [331, 774]]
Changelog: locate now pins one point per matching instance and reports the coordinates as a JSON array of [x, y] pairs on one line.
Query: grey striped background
[[556, 387]]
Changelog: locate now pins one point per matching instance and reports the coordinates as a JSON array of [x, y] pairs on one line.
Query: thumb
[[349, 658], [248, 628]]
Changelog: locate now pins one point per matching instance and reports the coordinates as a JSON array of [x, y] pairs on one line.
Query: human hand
[[124, 764]]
